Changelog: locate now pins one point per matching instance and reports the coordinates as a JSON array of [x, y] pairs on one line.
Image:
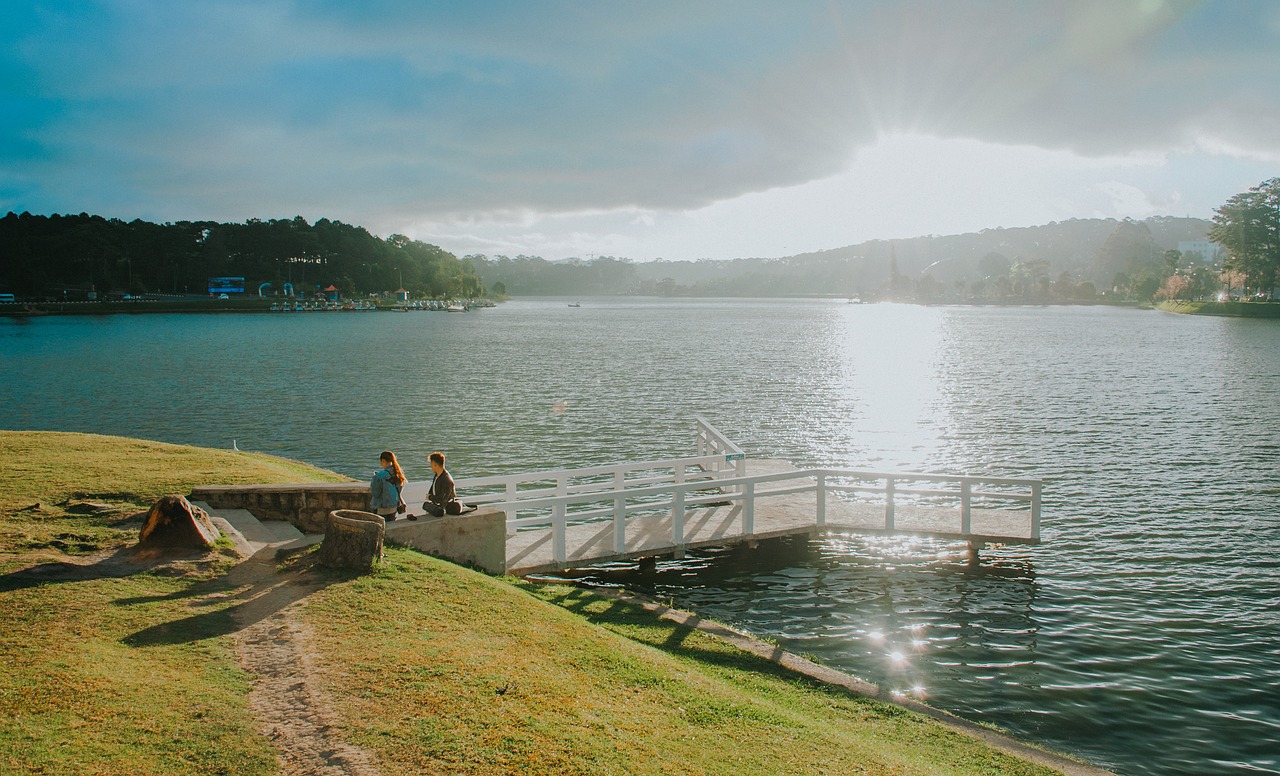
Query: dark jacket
[[442, 491]]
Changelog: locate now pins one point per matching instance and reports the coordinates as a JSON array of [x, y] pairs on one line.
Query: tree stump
[[172, 523], [352, 540]]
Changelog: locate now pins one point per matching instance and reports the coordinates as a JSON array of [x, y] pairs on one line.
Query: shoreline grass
[[1223, 309], [432, 668], [446, 670]]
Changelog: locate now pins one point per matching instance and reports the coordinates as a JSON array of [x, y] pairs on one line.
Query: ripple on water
[[1142, 635]]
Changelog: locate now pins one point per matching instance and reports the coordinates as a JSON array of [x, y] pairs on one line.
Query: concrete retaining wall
[[477, 539], [305, 505]]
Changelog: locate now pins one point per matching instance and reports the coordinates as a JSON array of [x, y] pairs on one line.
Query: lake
[[1142, 635]]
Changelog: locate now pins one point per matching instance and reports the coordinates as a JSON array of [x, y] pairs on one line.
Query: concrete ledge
[[305, 505], [476, 539]]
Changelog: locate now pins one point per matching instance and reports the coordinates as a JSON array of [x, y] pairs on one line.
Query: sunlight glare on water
[[890, 356]]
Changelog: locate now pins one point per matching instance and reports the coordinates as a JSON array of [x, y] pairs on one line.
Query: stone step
[[249, 534]]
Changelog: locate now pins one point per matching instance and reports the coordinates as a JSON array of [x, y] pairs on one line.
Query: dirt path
[[287, 699]]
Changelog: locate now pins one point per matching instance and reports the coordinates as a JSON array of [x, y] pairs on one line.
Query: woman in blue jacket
[[386, 486]]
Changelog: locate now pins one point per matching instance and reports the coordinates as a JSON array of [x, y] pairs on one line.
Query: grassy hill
[[430, 667]]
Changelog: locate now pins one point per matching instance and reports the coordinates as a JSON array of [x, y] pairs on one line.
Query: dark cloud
[[390, 111]]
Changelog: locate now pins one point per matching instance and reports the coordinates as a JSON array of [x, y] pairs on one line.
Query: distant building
[[226, 285], [1208, 251], [402, 295]]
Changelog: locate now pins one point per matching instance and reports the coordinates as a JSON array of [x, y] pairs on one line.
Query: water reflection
[[889, 357], [913, 615]]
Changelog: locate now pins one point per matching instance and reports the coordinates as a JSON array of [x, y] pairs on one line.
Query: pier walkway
[[573, 518]]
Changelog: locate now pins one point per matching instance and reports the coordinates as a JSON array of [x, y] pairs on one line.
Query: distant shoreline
[[34, 309], [255, 305], [1223, 309], [144, 307]]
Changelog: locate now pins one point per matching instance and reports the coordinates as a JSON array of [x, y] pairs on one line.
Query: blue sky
[[657, 129]]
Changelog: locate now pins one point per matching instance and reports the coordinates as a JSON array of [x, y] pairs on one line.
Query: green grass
[[1228, 309], [47, 480], [81, 694], [431, 667], [445, 670], [117, 674]]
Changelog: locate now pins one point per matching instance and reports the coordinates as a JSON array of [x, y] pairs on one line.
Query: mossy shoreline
[[1223, 309], [432, 668]]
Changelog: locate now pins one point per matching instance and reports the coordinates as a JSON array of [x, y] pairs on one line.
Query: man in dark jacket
[[442, 498]]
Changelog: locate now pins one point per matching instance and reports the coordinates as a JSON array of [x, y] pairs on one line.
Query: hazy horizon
[[719, 130]]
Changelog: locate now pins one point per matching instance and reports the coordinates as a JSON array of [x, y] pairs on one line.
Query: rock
[[173, 523], [352, 540]]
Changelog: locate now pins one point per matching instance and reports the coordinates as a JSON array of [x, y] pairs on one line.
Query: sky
[[677, 130]]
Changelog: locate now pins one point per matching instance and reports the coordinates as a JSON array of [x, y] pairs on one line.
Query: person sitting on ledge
[[385, 487], [442, 499]]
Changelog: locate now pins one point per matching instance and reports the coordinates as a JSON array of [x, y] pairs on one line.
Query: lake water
[[1143, 634]]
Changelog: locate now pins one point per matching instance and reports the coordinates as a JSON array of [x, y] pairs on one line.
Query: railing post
[[677, 517], [966, 498], [562, 489], [619, 523], [559, 524], [619, 480], [558, 516], [511, 513], [888, 503], [1035, 510], [749, 508], [822, 500]]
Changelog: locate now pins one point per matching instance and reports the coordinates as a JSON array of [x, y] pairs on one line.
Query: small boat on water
[[574, 304], [457, 307]]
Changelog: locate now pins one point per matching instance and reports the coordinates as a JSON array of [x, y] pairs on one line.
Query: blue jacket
[[383, 493]]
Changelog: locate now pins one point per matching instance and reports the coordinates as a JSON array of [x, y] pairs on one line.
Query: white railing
[[717, 458], [674, 498], [713, 443]]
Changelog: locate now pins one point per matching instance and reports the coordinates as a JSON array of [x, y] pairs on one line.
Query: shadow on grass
[[646, 626], [260, 592], [119, 563]]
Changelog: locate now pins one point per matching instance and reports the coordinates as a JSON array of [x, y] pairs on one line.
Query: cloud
[[397, 112], [1129, 199]]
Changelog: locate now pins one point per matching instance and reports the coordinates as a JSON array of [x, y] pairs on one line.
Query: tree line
[[61, 255], [1078, 260], [1247, 226]]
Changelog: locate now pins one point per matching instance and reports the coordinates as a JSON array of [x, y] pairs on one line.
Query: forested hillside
[[47, 256], [1069, 260], [1074, 259]]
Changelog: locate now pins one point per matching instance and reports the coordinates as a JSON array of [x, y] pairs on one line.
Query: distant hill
[[1094, 251], [1074, 246]]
